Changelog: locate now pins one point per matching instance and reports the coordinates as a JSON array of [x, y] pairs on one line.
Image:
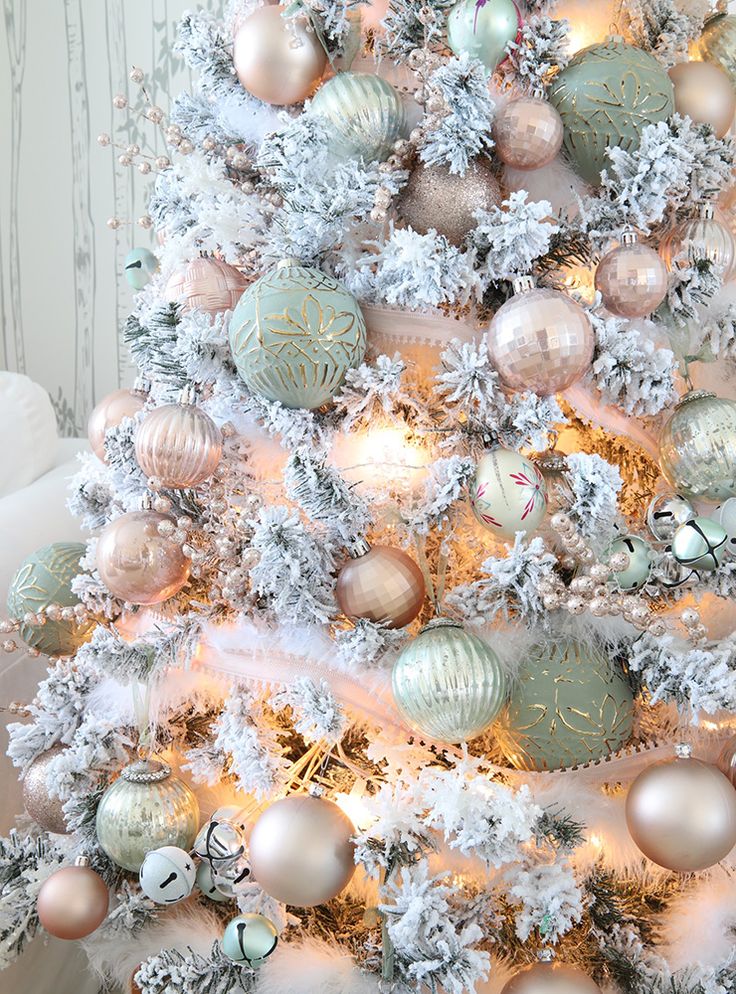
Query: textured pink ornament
[[528, 133], [179, 445], [382, 584], [72, 902], [109, 413], [632, 279], [136, 563], [206, 285], [540, 340]]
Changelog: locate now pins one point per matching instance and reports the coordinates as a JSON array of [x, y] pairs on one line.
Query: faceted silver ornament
[[666, 513], [700, 544]]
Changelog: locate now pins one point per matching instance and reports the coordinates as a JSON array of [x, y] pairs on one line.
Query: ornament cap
[[145, 503], [707, 210], [141, 385], [188, 396], [316, 790], [523, 284], [692, 395], [288, 261], [629, 237], [440, 623], [358, 548], [146, 771], [81, 861], [546, 955], [683, 750]]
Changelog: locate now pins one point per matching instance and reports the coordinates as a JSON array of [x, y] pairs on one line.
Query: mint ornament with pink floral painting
[[508, 494]]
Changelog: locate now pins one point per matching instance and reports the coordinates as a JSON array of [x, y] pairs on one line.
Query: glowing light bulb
[[589, 22], [387, 456], [355, 807]]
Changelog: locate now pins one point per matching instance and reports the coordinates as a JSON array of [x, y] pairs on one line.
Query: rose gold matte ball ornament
[[436, 198], [705, 94], [540, 340], [632, 279], [381, 584], [681, 813], [508, 494], [178, 445], [278, 59], [45, 810], [301, 850], [136, 563], [549, 977], [528, 133], [208, 285], [109, 413], [73, 902]]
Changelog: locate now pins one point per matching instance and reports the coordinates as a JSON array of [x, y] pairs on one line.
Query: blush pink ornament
[[632, 279], [178, 445], [381, 583], [109, 413], [136, 563], [208, 285], [528, 133], [73, 901], [540, 340]]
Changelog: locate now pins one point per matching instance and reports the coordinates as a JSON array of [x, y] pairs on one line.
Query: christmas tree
[[399, 657]]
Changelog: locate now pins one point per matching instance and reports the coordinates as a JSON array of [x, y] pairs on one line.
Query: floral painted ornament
[[508, 494]]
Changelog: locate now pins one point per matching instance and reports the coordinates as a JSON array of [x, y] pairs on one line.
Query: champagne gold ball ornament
[[569, 705], [632, 279], [681, 813], [136, 563], [725, 516], [606, 96], [73, 901], [434, 198], [109, 413], [301, 850], [528, 133], [448, 683], [540, 340], [365, 115], [208, 285], [178, 445], [508, 493], [278, 59], [550, 977], [717, 44], [382, 584], [483, 29], [702, 237], [144, 809], [42, 579], [666, 513], [167, 875], [697, 447], [140, 266], [295, 334], [639, 552], [700, 544], [704, 93], [249, 938], [47, 811]]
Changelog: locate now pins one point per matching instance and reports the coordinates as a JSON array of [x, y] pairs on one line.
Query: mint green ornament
[[700, 544], [483, 29], [44, 578], [249, 938], [639, 552], [606, 96], [569, 705], [140, 265], [365, 114], [295, 333]]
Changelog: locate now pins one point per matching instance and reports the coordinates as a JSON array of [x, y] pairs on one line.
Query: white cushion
[[28, 432]]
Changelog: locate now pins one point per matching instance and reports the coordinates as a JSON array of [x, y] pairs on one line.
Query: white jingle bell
[[167, 875], [219, 842], [725, 516], [206, 883]]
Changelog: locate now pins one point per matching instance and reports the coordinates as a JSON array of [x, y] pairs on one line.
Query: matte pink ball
[[384, 585], [138, 565], [632, 279], [179, 445], [207, 285], [72, 902], [109, 413], [528, 133]]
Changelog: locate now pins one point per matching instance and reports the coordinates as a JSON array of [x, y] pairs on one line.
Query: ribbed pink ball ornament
[[632, 279], [206, 284], [136, 563], [528, 133], [109, 413], [178, 445]]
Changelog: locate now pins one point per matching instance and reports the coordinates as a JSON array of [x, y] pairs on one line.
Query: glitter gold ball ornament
[[697, 447], [550, 977], [508, 493], [681, 813], [606, 96], [528, 133], [717, 44], [631, 279], [72, 902], [109, 413], [294, 335], [136, 563], [144, 809], [569, 705], [637, 572], [382, 584], [249, 938], [540, 340], [701, 237], [47, 811], [483, 29], [666, 513], [179, 445], [700, 544], [448, 683], [704, 93], [365, 115], [140, 265], [45, 578], [277, 58], [167, 875], [207, 285], [438, 199], [725, 516], [301, 850]]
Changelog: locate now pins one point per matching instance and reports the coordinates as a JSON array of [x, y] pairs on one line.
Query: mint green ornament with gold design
[[606, 96], [294, 335]]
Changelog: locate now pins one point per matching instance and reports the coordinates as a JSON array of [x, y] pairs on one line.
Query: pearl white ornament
[[725, 516], [167, 875]]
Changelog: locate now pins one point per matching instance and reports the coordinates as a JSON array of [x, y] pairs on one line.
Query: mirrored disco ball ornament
[[294, 335], [697, 447], [508, 493], [365, 115], [528, 133], [109, 413], [637, 572], [705, 236], [540, 340], [140, 265], [167, 875], [178, 445], [249, 938], [700, 544], [207, 285], [632, 279], [666, 513], [448, 683], [381, 583], [483, 29]]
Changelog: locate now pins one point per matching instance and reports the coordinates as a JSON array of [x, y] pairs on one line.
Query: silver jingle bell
[[666, 513], [229, 880], [219, 842]]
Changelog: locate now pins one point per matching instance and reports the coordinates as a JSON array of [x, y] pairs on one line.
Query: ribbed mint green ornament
[[448, 683], [697, 447], [44, 578], [483, 29], [365, 114], [294, 335], [249, 938], [569, 705], [606, 96], [717, 43]]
